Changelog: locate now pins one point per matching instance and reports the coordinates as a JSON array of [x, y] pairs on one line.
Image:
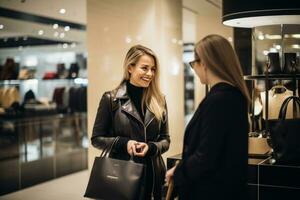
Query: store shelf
[[18, 82], [272, 77]]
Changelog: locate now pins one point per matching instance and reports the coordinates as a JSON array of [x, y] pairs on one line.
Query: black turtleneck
[[136, 94]]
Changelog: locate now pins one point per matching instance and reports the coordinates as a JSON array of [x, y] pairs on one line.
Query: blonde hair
[[152, 96], [216, 53]]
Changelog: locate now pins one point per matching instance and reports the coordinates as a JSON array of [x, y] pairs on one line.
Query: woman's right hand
[[131, 147]]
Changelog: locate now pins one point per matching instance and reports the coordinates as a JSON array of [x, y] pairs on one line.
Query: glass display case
[[275, 76], [43, 130], [280, 44]]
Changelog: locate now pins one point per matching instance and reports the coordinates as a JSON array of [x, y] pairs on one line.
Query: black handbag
[[285, 136], [113, 179]]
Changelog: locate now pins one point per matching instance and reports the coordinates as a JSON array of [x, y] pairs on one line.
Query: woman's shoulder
[[225, 99], [110, 93]]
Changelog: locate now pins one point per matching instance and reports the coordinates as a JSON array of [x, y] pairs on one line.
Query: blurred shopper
[[134, 115], [215, 153], [9, 70]]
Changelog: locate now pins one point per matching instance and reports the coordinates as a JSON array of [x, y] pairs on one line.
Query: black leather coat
[[118, 118]]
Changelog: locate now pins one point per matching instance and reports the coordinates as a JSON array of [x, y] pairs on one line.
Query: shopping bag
[[113, 179]]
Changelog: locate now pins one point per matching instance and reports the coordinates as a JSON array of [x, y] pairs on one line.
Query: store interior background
[[107, 29], [104, 31]]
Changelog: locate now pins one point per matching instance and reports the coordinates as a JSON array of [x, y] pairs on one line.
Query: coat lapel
[[129, 108], [149, 116]]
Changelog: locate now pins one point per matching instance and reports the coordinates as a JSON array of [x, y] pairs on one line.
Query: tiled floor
[[68, 187]]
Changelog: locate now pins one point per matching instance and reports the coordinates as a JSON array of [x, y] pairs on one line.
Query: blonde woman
[[215, 153], [134, 115]]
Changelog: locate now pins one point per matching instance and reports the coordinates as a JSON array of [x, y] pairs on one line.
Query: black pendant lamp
[[255, 13]]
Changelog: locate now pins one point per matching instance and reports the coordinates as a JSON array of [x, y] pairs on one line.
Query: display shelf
[[272, 77], [18, 82]]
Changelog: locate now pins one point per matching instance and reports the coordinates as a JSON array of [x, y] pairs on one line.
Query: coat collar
[[128, 106]]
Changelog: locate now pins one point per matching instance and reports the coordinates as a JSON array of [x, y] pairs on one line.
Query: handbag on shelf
[[113, 179], [285, 135]]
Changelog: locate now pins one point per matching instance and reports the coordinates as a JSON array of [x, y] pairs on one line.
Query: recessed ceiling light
[[1, 26], [128, 39], [67, 28], [41, 32], [62, 11], [265, 52], [65, 45], [55, 26], [261, 37]]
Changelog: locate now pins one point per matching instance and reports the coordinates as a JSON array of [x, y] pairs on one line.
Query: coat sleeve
[[202, 164], [161, 145], [102, 136]]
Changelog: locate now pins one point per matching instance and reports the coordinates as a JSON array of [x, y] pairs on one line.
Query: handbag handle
[[283, 108], [106, 151]]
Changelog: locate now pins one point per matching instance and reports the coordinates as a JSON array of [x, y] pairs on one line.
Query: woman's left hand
[[141, 149], [169, 175]]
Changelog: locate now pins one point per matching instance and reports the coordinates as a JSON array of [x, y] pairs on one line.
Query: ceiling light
[[55, 26], [56, 34], [261, 37], [277, 46], [128, 40], [296, 46], [1, 26], [265, 52], [62, 35], [295, 35], [273, 37], [41, 32], [62, 11], [65, 45], [67, 28]]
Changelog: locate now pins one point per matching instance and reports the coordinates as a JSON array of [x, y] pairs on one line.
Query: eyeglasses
[[192, 63]]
